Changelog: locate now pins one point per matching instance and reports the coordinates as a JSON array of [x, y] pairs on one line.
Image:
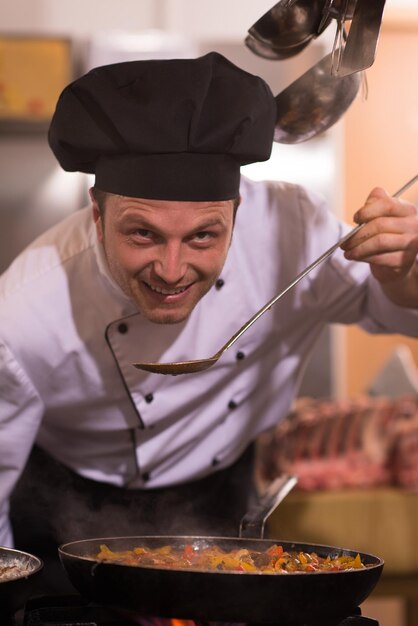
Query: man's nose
[[170, 266]]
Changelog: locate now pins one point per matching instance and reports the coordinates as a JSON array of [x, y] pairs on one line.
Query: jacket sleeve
[[345, 291], [21, 412]]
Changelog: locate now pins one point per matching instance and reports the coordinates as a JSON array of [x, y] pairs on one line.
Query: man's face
[[165, 255]]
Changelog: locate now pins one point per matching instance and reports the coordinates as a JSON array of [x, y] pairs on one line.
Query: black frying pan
[[15, 591], [219, 596]]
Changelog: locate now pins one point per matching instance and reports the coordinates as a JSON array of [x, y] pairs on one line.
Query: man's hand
[[389, 243]]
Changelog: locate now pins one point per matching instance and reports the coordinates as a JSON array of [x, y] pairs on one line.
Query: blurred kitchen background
[[47, 43]]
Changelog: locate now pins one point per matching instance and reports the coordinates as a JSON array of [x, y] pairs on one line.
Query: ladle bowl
[[290, 26], [314, 102], [274, 53]]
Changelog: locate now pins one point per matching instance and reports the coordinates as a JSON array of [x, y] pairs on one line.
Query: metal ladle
[[274, 53], [314, 102], [190, 367], [287, 28]]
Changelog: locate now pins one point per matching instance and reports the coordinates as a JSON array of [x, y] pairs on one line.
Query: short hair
[[101, 196]]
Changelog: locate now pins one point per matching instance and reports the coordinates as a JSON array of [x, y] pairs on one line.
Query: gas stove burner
[[73, 611]]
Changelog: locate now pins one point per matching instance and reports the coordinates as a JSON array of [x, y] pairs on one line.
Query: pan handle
[[253, 522]]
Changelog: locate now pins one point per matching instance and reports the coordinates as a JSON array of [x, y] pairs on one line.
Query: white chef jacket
[[69, 336]]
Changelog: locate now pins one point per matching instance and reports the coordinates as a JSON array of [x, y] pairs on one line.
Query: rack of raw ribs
[[362, 442]]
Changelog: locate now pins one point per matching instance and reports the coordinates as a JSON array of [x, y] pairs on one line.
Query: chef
[[174, 254]]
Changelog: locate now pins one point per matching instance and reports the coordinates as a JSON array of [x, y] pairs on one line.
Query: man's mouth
[[166, 292]]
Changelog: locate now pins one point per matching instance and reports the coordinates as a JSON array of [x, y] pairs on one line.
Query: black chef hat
[[165, 129]]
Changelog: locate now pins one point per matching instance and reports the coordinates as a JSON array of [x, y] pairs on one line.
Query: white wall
[[78, 17], [195, 18]]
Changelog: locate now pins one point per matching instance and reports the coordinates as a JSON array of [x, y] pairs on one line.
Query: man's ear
[[97, 216], [237, 202]]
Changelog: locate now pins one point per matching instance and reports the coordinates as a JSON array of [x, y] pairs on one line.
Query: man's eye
[[203, 236], [143, 232]]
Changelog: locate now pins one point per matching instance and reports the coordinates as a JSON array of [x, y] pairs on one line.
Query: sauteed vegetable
[[274, 560]]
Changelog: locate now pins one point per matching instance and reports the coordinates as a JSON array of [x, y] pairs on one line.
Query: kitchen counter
[[382, 521]]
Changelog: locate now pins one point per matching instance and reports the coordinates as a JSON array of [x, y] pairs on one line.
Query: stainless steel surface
[[290, 25], [339, 8], [274, 53], [198, 365], [287, 28], [253, 522], [360, 48], [314, 102]]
